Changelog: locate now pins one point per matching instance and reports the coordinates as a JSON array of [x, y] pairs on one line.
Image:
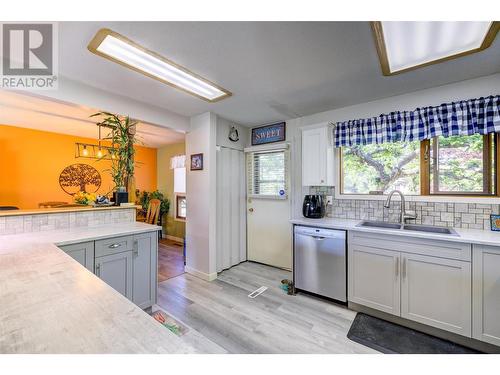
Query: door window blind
[[267, 174]]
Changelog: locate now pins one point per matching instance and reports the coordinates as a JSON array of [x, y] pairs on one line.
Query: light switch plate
[[329, 199]]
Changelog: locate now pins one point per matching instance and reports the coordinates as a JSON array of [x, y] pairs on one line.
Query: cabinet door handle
[[404, 268], [114, 245], [136, 248], [397, 267], [98, 269]]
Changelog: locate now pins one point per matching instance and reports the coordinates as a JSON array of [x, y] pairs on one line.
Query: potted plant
[[122, 138]]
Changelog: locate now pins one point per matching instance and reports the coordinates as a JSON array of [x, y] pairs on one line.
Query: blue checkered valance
[[466, 117]]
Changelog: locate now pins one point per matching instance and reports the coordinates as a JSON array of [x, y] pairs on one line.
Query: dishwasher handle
[[318, 238]]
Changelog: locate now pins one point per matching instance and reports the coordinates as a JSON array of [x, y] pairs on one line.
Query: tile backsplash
[[64, 220], [444, 214]]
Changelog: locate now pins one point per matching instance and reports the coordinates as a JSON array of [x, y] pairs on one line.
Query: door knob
[[250, 209]]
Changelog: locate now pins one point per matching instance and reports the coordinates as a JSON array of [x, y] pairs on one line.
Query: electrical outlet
[[329, 199]]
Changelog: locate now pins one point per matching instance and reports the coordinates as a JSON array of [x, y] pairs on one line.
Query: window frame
[[178, 198], [251, 175], [493, 176]]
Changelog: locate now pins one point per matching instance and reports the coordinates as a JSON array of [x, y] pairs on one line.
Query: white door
[[269, 236], [374, 278], [437, 292]]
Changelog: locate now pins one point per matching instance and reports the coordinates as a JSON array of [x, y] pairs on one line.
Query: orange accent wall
[[31, 161]]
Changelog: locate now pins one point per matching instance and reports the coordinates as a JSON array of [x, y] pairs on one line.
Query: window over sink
[[457, 165]]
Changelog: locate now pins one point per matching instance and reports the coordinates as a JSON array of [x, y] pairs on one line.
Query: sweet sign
[[269, 134]]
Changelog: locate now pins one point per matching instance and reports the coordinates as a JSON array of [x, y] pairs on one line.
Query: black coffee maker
[[314, 206]]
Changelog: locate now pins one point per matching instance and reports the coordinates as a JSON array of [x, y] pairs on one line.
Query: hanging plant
[[122, 138]]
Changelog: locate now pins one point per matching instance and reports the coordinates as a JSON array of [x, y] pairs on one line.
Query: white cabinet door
[[144, 260], [83, 253], [317, 157], [486, 294], [374, 278], [116, 271], [437, 292]]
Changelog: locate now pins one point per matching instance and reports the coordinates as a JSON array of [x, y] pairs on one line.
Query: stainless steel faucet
[[404, 215]]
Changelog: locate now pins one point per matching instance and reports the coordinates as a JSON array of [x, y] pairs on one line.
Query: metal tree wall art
[[79, 177]]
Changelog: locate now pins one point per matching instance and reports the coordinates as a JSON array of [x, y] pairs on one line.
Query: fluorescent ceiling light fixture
[[404, 46], [117, 48]]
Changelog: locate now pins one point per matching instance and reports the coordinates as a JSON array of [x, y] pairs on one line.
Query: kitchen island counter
[[52, 304]]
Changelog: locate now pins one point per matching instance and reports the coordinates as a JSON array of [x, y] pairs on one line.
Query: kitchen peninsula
[[53, 304]]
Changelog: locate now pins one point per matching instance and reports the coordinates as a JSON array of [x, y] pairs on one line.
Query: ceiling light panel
[[404, 46], [117, 48]]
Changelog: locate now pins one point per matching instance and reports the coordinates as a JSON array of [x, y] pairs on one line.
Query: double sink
[[409, 227]]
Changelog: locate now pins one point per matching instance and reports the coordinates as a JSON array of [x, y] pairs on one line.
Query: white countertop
[[475, 236], [49, 303], [43, 211]]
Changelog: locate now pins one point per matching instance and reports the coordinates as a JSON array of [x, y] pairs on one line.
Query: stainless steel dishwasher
[[320, 261]]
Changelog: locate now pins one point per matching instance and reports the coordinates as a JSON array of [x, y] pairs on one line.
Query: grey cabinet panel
[[437, 292], [374, 279], [144, 278], [486, 294], [83, 253], [113, 245], [116, 271]]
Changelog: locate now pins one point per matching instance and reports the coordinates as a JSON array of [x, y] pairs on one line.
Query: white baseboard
[[201, 275], [173, 238]]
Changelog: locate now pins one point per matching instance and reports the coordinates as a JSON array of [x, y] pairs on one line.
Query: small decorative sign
[[197, 162], [495, 222], [233, 134], [269, 134]]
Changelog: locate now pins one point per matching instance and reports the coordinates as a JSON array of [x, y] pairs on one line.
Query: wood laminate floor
[[170, 259], [222, 319]]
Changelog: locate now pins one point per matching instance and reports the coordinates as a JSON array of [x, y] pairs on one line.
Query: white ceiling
[[34, 112], [275, 70]]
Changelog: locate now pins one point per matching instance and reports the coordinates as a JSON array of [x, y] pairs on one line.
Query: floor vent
[[257, 292]]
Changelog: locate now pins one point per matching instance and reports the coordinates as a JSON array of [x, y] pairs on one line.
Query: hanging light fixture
[[85, 152]]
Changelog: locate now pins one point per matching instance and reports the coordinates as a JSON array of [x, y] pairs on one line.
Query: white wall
[[473, 88], [201, 198], [85, 95]]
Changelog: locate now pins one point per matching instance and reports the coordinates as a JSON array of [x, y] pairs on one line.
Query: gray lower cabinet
[[374, 279], [116, 271], [437, 292], [144, 264], [126, 263], [396, 275], [83, 253], [486, 294]]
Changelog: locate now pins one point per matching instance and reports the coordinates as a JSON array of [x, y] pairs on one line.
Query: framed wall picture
[[197, 162], [269, 134]]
